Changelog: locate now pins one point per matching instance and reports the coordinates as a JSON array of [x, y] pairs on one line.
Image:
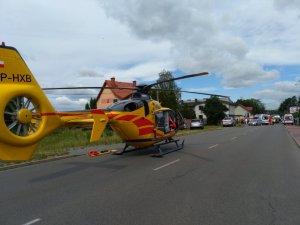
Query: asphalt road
[[231, 176]]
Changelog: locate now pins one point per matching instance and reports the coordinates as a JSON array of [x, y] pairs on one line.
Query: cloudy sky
[[250, 48]]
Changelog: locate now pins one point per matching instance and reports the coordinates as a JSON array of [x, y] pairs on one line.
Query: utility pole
[[298, 105]]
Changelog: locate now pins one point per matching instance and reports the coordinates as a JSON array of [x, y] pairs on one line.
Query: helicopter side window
[[130, 107], [125, 105]]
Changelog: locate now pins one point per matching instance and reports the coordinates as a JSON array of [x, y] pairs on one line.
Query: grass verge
[[64, 140]]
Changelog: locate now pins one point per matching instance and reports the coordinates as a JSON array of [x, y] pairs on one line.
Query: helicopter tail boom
[[26, 115]]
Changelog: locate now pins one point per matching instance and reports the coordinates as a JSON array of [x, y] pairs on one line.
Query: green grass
[[64, 140]]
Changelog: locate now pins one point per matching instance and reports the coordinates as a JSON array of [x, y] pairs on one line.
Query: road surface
[[240, 176]]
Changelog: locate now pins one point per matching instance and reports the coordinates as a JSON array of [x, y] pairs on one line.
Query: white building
[[198, 104]]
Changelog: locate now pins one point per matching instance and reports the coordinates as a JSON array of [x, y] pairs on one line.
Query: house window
[[115, 100]]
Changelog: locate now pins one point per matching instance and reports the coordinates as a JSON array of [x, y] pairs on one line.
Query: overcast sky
[[250, 48]]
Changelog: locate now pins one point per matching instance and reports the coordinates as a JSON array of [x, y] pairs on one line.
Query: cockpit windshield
[[125, 106]]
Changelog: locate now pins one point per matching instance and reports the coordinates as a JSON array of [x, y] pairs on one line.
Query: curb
[[36, 162], [293, 136], [74, 153]]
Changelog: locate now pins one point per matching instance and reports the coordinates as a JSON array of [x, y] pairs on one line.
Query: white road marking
[[233, 138], [168, 164], [32, 221], [213, 146]]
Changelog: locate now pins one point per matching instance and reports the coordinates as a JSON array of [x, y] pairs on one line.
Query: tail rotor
[[22, 117]]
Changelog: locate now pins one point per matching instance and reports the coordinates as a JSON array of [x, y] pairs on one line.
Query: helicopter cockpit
[[140, 96], [125, 106]]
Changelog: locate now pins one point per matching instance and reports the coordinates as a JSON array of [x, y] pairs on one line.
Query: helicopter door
[[160, 121], [165, 121]]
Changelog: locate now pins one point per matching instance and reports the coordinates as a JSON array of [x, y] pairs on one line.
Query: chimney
[[134, 83], [113, 83]]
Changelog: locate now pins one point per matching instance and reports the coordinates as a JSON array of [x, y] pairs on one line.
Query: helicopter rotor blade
[[201, 93], [144, 88], [191, 92], [147, 87], [82, 88]]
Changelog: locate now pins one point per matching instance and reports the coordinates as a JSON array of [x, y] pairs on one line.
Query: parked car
[[255, 122], [196, 123], [228, 122]]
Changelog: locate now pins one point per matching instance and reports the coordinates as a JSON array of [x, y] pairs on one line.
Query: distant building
[[242, 112], [108, 96]]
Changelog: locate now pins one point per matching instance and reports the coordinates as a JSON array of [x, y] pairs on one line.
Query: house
[[111, 94], [230, 106], [198, 104], [242, 112]]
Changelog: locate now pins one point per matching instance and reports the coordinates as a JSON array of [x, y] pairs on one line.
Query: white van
[[263, 117], [288, 119]]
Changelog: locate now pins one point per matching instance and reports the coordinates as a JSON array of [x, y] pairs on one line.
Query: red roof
[[119, 93], [247, 108]]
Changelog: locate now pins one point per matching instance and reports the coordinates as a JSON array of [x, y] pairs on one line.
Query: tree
[[257, 106], [171, 97], [284, 107], [187, 112], [92, 104], [214, 110]]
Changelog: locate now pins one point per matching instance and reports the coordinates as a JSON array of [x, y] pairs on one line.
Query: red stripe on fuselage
[[110, 115], [127, 117], [159, 135], [146, 130], [142, 122], [97, 111]]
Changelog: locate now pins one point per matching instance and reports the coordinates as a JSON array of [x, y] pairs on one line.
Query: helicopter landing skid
[[160, 152], [124, 150]]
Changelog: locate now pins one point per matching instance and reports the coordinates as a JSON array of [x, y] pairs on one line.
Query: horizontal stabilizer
[[100, 121]]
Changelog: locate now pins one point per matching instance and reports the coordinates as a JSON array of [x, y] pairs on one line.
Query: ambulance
[[288, 119]]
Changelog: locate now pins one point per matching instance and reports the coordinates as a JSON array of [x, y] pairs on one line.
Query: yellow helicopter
[[28, 116]]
